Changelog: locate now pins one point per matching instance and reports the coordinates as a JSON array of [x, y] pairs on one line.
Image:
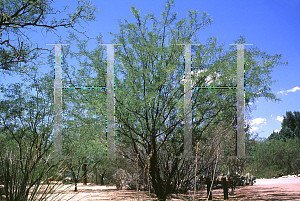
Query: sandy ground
[[263, 189]]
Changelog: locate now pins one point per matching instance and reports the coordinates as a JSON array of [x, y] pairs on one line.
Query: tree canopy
[[150, 98], [18, 17], [289, 127], [149, 108]]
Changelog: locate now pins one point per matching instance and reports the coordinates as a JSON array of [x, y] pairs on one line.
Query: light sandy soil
[[266, 189], [263, 189]]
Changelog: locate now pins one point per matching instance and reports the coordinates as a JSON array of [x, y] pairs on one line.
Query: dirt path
[[271, 189], [263, 189]]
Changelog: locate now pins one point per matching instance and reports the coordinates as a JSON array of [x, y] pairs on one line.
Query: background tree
[[289, 127], [275, 135], [26, 141], [280, 152], [276, 157], [17, 18]]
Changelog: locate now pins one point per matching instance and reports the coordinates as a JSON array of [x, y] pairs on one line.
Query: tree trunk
[[84, 174], [157, 182], [102, 179], [64, 176], [74, 179], [96, 173]]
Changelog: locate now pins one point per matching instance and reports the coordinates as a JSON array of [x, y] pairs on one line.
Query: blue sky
[[271, 25]]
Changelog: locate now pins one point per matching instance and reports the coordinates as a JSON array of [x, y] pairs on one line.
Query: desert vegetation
[[149, 112]]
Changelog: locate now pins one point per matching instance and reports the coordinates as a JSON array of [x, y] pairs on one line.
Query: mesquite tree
[[149, 109], [150, 98]]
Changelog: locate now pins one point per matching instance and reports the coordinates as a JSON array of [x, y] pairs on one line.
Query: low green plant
[[29, 178]]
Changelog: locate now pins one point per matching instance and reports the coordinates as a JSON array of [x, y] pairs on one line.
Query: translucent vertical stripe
[[187, 103], [240, 102], [110, 101], [57, 124], [58, 102]]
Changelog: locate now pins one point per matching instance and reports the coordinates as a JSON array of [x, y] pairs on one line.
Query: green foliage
[[27, 178], [291, 120], [24, 118], [297, 132], [150, 98], [17, 18], [279, 154], [276, 157], [286, 133], [84, 110], [26, 162], [289, 127]]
